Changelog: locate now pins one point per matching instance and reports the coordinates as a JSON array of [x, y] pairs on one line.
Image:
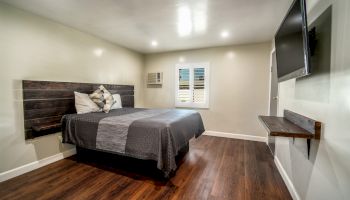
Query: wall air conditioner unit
[[155, 78]]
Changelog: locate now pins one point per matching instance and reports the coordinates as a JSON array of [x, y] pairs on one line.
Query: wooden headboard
[[45, 102]]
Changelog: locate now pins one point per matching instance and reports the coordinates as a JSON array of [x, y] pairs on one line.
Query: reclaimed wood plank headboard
[[45, 102]]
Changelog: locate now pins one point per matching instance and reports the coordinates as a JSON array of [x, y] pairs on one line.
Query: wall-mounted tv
[[292, 45]]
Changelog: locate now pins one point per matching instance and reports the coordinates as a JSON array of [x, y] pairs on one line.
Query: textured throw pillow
[[97, 97], [103, 98], [83, 104], [118, 102]]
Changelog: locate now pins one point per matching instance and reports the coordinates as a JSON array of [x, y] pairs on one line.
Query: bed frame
[[45, 102]]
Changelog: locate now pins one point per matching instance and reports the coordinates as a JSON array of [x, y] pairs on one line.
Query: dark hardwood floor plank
[[201, 173], [232, 165], [29, 190], [26, 184], [104, 181], [271, 177], [71, 187], [253, 185], [206, 180], [214, 168], [260, 181]]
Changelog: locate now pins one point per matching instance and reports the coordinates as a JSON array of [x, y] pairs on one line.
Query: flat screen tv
[[292, 45]]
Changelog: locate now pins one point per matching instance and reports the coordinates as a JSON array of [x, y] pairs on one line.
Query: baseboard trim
[[235, 136], [35, 165], [287, 180]]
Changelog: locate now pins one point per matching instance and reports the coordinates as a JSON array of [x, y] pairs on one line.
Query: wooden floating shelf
[[45, 127], [280, 126], [292, 125]]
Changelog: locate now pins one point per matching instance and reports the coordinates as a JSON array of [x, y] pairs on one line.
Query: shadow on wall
[[299, 154], [154, 86], [316, 87]]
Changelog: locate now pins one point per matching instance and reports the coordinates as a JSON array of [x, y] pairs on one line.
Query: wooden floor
[[214, 168]]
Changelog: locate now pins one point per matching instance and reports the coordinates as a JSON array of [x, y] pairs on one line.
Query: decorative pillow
[[83, 104], [103, 98], [97, 97], [117, 102]]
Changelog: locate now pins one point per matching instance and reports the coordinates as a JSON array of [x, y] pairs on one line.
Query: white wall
[[38, 49], [239, 85], [326, 175]]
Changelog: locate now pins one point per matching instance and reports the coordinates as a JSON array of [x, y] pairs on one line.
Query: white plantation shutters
[[192, 85], [198, 85], [184, 92]]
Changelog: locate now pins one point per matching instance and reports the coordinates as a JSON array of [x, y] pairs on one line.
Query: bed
[[148, 134]]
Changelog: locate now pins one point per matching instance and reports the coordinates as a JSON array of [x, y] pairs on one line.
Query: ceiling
[[169, 24]]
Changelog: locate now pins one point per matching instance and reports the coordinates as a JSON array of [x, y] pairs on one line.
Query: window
[[192, 85]]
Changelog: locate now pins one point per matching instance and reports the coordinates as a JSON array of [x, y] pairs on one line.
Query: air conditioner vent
[[155, 78]]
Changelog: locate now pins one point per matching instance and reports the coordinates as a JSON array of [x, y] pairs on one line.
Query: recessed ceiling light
[[184, 21], [154, 43], [224, 34]]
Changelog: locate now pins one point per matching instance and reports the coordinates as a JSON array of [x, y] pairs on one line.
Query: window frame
[[191, 67]]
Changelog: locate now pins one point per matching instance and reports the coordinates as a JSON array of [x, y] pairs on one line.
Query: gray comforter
[[152, 134]]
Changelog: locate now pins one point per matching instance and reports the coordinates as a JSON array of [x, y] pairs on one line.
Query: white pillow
[[83, 104], [117, 102]]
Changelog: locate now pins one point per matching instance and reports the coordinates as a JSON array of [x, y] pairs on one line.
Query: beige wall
[[326, 175], [37, 49], [239, 81]]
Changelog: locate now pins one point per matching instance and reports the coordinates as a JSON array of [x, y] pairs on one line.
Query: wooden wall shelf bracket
[[292, 125], [308, 142]]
